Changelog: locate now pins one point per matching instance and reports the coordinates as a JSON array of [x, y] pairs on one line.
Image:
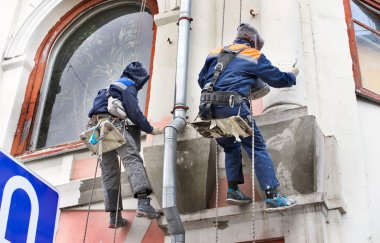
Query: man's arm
[[131, 106], [202, 75], [272, 75]]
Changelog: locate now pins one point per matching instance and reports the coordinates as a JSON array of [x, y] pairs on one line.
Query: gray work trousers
[[133, 164]]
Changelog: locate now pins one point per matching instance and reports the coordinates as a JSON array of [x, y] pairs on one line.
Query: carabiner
[[231, 101]]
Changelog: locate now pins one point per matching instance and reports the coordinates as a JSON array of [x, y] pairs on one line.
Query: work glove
[[295, 71], [156, 131]]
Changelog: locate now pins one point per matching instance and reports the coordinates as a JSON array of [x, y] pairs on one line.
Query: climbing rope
[[253, 172], [118, 198], [241, 4], [216, 191], [217, 153], [99, 154], [224, 11], [138, 31]]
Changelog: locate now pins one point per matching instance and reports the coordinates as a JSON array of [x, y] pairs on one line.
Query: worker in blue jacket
[[125, 89], [236, 80]]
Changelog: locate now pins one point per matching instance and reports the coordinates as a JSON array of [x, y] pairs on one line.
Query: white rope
[[99, 159], [241, 4], [217, 152], [138, 31], [222, 34], [216, 192], [253, 174], [118, 198]]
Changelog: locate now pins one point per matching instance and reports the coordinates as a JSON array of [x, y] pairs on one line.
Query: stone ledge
[[78, 192], [304, 201], [280, 116], [166, 17], [336, 203]]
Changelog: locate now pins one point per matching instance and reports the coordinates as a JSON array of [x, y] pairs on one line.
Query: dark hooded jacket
[[125, 89]]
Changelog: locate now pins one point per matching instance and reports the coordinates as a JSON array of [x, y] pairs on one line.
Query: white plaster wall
[[55, 170], [8, 10], [369, 116], [12, 93], [335, 106], [282, 32]]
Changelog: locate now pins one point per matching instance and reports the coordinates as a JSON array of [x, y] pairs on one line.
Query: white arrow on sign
[[14, 183]]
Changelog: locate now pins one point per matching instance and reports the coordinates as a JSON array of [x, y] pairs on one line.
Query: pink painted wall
[[72, 226]]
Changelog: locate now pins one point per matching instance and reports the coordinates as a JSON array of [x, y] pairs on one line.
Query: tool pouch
[[234, 126], [110, 137]]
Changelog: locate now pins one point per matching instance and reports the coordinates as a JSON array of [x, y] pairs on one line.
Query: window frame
[[350, 21], [36, 87]]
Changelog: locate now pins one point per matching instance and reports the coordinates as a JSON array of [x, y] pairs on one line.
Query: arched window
[[90, 54]]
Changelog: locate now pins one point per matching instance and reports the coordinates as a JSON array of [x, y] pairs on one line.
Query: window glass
[[368, 45], [364, 14], [91, 58]]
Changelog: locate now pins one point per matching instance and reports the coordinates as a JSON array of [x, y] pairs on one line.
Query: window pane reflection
[[368, 45], [365, 15], [90, 59]]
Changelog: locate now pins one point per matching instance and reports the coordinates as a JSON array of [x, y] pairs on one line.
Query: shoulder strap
[[225, 57], [123, 84]]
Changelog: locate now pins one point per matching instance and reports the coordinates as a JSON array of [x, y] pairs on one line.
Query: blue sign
[[28, 205]]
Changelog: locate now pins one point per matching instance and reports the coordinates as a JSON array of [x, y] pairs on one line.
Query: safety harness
[[209, 96]]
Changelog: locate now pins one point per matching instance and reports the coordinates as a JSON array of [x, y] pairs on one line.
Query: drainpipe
[[169, 205]]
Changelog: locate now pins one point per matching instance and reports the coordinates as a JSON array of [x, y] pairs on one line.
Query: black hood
[[137, 73]]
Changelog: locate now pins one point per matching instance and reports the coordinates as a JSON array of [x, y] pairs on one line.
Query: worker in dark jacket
[[125, 89], [239, 76]]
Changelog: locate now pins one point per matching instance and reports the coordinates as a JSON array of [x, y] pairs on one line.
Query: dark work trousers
[[264, 168], [133, 164]]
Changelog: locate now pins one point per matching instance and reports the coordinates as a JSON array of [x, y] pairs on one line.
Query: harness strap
[[220, 97], [209, 96], [225, 57]]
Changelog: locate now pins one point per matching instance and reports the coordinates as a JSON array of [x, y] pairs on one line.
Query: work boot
[[237, 197], [145, 210], [259, 89], [279, 202], [121, 222]]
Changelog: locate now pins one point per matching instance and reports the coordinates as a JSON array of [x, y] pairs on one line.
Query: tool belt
[[233, 126], [222, 98], [95, 119], [118, 122], [102, 137], [217, 98]]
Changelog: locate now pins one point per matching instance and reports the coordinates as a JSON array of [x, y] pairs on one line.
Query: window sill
[[365, 93], [51, 151], [55, 150]]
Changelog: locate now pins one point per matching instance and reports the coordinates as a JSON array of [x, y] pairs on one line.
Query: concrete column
[[280, 27]]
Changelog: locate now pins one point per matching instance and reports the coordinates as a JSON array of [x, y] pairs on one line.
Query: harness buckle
[[209, 87], [219, 66], [231, 101]]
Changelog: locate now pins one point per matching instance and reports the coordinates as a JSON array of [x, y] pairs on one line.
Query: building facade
[[323, 133]]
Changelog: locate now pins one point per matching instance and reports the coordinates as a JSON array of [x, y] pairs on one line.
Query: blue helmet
[[137, 73]]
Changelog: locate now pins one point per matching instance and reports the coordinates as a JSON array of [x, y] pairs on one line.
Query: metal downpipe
[[169, 205]]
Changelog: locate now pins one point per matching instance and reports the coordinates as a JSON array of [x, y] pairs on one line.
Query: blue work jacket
[[243, 71]]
